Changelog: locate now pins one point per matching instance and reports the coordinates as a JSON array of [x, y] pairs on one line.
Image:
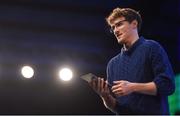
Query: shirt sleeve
[[162, 70]]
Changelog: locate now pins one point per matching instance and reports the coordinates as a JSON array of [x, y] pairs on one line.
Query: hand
[[100, 86], [122, 88]]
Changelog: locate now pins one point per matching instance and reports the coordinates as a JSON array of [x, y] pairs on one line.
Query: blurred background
[[50, 34]]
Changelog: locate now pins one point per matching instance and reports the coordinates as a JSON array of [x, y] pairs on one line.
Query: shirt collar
[[133, 47]]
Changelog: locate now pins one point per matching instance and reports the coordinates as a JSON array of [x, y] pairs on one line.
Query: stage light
[[27, 72], [65, 74]]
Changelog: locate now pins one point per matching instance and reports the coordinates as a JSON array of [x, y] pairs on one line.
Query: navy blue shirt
[[145, 61]]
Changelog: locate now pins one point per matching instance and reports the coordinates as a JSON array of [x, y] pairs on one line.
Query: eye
[[119, 24], [113, 27]]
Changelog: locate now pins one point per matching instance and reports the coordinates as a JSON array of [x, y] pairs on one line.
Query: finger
[[102, 84], [106, 87], [115, 87], [94, 85], [109, 85], [106, 81], [117, 90], [117, 82], [99, 84]]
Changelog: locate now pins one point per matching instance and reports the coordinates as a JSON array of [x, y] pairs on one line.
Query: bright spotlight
[[27, 72], [65, 74]]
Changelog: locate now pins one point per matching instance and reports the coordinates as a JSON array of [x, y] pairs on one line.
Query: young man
[[141, 74]]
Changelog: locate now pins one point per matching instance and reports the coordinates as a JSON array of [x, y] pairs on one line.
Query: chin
[[120, 41]]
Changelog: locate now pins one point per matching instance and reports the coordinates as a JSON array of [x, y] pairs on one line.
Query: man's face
[[122, 29]]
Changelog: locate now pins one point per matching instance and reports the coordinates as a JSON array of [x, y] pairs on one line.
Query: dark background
[[49, 34]]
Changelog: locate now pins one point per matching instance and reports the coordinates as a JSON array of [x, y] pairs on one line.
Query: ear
[[134, 24]]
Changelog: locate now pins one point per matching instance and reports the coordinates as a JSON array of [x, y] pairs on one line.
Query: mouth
[[118, 35]]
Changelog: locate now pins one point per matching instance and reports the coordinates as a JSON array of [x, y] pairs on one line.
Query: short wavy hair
[[128, 13]]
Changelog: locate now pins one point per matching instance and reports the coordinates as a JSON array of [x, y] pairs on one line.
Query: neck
[[131, 41]]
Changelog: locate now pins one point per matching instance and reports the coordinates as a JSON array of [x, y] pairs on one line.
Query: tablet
[[88, 77]]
